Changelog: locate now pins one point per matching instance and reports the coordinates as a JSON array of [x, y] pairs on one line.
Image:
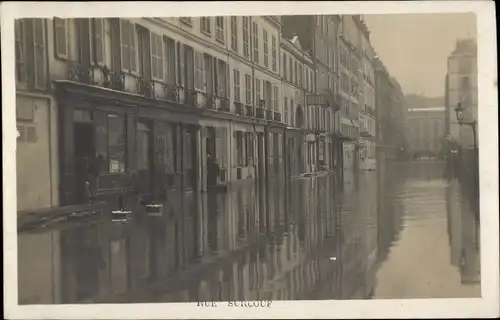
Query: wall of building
[[462, 88], [36, 153], [426, 130]]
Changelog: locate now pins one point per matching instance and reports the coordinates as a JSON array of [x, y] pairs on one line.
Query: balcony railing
[[113, 80], [145, 87], [170, 92], [117, 80], [259, 113], [224, 104], [80, 73], [191, 98], [269, 114], [209, 102], [277, 116], [238, 108], [249, 111]]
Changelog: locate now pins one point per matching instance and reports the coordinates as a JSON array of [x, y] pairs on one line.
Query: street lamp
[[460, 117]]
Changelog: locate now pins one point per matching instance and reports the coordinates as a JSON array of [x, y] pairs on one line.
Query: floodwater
[[403, 231]]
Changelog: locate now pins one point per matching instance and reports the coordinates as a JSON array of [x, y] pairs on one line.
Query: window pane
[[116, 143], [60, 34], [142, 147], [133, 66]]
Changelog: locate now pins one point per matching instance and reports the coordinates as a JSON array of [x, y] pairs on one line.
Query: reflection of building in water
[[189, 253], [44, 285], [463, 231], [388, 216]]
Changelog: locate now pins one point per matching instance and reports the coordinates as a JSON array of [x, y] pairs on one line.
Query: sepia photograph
[[242, 160]]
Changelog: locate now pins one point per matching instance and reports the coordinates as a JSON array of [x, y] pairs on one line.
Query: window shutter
[[132, 48], [124, 45], [218, 148], [215, 67], [227, 82], [197, 76], [180, 64], [61, 38], [39, 53]]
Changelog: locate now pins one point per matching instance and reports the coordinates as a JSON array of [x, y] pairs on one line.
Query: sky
[[415, 47]]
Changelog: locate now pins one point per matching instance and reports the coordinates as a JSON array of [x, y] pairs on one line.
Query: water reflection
[[434, 254], [400, 231]]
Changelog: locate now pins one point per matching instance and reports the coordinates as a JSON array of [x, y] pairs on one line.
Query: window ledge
[[208, 34]]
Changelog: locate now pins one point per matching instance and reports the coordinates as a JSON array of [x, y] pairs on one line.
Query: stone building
[[297, 83], [426, 131], [318, 37], [461, 87], [391, 112], [367, 115], [147, 99]]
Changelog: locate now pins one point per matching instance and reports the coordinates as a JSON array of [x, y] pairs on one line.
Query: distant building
[[318, 37], [425, 130], [461, 87], [391, 112], [367, 114]]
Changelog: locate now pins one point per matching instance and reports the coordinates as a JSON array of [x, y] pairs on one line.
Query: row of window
[[111, 144], [349, 61], [30, 53], [252, 37], [296, 72], [349, 85]]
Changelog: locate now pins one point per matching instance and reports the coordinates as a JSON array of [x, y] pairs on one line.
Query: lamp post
[[460, 117]]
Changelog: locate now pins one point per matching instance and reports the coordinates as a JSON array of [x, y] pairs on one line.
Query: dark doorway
[[261, 156], [84, 143], [210, 148], [190, 159]]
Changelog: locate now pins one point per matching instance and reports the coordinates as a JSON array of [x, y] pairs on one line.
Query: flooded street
[[404, 231]]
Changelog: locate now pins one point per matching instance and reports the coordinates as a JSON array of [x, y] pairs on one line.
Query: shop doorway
[[85, 167]]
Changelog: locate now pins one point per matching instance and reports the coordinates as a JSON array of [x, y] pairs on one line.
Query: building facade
[[36, 118], [426, 131], [390, 113], [149, 99], [318, 36], [461, 87], [297, 83], [122, 109], [350, 91], [367, 116]]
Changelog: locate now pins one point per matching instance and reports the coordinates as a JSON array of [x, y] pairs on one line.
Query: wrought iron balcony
[[364, 133], [80, 73], [277, 116], [259, 113], [249, 111], [170, 92], [145, 87], [224, 104], [209, 102], [238, 108], [191, 98], [269, 114], [113, 79]]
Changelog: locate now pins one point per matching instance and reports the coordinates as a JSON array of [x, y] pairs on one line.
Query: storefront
[[123, 145]]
